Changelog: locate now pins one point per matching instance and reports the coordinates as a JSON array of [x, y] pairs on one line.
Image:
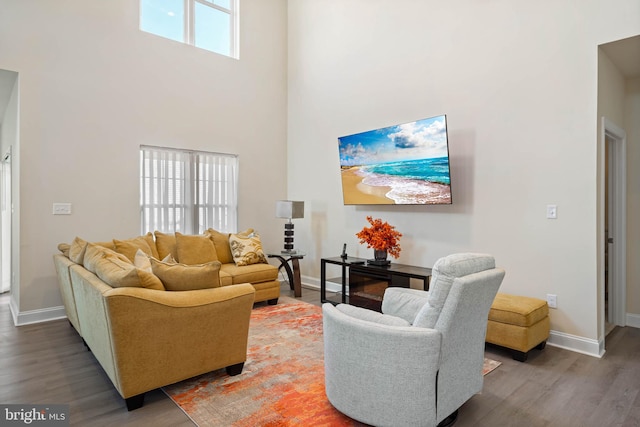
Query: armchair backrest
[[462, 289]]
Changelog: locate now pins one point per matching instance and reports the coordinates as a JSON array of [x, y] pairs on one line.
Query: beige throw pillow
[[181, 277], [166, 244], [129, 247], [143, 261], [77, 249], [195, 249], [94, 254], [247, 249], [117, 273]]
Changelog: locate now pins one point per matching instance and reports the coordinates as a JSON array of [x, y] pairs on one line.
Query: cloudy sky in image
[[422, 139]]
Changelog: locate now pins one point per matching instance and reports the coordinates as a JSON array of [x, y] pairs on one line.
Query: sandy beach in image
[[401, 190], [356, 193]]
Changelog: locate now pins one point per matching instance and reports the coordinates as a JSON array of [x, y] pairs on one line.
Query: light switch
[[62, 208], [552, 211]]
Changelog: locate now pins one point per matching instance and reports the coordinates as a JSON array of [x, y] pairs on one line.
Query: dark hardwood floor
[[47, 364]]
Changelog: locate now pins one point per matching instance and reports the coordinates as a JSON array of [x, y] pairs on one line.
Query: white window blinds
[[187, 191]]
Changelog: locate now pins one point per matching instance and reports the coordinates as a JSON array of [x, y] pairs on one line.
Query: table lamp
[[289, 209]]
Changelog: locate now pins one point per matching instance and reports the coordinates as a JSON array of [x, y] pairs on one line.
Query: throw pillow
[[129, 247], [221, 243], [152, 244], [166, 244], [64, 248], [247, 249], [117, 273], [195, 249], [77, 249], [94, 254], [181, 277], [143, 261]]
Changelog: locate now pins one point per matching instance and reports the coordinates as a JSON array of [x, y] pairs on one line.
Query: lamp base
[[289, 251]]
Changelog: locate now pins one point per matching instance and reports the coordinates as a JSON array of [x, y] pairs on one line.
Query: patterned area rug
[[282, 383]]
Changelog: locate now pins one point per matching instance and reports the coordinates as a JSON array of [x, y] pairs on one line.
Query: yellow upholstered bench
[[518, 323]]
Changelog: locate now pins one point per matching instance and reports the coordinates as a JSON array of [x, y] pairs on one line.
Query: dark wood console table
[[367, 282]]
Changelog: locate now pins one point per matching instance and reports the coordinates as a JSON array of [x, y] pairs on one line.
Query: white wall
[[518, 82], [93, 88], [632, 127]]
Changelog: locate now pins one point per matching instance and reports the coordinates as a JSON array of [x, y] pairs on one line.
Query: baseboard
[[36, 316], [570, 342], [633, 320]]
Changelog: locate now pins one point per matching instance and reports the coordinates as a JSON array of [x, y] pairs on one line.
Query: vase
[[380, 255]]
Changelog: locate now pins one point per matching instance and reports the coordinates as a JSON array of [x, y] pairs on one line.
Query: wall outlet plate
[[62, 208]]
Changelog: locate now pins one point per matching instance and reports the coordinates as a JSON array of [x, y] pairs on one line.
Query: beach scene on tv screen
[[402, 164]]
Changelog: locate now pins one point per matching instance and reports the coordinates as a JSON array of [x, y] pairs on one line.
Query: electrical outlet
[[552, 300], [552, 211]]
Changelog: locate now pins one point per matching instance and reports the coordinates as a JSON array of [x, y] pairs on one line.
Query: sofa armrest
[[159, 338]]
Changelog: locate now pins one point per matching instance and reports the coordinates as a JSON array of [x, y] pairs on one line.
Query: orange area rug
[[282, 383]]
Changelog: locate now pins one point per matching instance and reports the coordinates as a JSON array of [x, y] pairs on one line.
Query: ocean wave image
[[403, 164]]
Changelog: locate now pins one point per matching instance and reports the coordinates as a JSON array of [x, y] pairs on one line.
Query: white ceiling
[[625, 54]]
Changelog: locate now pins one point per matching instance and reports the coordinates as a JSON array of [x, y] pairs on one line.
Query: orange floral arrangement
[[381, 237]]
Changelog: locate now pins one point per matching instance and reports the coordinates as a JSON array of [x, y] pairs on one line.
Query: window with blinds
[[187, 191]]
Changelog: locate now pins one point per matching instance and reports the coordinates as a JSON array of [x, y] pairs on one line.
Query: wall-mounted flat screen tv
[[406, 164]]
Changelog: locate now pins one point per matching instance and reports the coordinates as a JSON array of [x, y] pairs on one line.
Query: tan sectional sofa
[[159, 324]]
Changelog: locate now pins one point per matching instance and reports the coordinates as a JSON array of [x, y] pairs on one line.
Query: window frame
[[189, 27], [183, 213]]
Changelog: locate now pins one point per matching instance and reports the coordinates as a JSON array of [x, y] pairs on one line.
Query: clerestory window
[[207, 24], [187, 191]]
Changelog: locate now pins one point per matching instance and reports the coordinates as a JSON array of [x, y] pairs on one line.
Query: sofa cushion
[[166, 244], [94, 254], [182, 277], [221, 243], [64, 248], [226, 279], [247, 249], [79, 246], [77, 249], [143, 261], [129, 247], [117, 273], [254, 273], [195, 249]]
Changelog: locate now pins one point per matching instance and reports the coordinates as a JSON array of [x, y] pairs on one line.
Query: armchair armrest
[[404, 302], [364, 390]]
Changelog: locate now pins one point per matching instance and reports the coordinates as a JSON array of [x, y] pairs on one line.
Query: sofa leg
[[520, 356], [135, 402], [272, 301], [450, 420], [236, 369], [542, 345]]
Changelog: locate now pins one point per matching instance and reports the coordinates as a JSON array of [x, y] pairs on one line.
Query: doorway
[[615, 222], [5, 222]]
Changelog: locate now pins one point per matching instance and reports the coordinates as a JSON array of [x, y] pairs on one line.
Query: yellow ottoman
[[518, 323]]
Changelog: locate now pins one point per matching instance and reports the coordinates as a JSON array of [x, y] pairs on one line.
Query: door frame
[[618, 220]]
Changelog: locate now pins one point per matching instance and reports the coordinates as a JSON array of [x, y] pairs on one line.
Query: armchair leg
[[272, 301], [135, 402], [450, 420], [236, 369]]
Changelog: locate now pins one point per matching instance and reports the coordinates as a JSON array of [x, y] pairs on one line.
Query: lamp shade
[[289, 209]]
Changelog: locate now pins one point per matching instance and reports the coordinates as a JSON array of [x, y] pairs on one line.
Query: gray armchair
[[419, 360]]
